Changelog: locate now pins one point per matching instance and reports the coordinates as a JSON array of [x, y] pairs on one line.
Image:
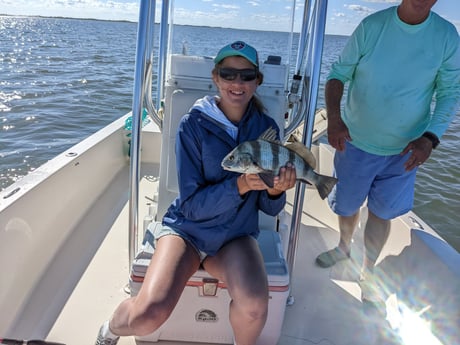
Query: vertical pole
[[163, 47], [146, 20], [314, 70]]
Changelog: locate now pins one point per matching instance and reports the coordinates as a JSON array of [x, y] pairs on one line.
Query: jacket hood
[[208, 105]]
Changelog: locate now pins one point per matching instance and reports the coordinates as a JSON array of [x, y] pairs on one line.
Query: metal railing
[[144, 53], [315, 51]]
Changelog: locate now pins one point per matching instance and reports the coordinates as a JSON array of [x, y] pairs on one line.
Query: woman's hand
[[248, 182], [284, 181]]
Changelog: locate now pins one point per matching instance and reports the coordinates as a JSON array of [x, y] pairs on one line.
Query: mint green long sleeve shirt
[[395, 71]]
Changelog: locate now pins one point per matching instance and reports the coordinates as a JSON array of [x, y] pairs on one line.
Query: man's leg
[[347, 226], [375, 236]]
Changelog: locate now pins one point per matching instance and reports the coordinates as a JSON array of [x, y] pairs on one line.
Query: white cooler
[[201, 314]]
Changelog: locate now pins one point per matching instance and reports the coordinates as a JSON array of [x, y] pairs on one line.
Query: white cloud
[[360, 9], [227, 6], [98, 9]]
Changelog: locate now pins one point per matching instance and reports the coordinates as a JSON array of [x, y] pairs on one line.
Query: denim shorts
[[164, 230], [383, 180]]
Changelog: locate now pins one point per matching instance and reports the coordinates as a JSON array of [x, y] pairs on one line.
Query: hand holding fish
[[284, 181], [248, 182]]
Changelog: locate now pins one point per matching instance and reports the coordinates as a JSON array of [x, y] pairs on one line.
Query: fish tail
[[324, 184]]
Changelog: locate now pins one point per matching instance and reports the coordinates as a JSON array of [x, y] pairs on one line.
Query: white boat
[[72, 231]]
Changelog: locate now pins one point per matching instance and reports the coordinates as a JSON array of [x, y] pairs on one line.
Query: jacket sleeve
[[271, 205], [200, 200]]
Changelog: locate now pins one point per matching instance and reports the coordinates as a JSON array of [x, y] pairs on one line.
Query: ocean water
[[63, 79]]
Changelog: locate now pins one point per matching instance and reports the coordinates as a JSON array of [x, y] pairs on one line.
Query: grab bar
[[143, 56], [315, 52]]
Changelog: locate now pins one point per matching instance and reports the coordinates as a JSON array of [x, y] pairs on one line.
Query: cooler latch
[[210, 286]]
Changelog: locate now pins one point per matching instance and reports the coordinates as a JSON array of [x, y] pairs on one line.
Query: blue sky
[[342, 16]]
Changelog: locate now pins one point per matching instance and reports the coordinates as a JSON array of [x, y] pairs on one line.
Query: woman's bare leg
[[240, 265], [173, 263]]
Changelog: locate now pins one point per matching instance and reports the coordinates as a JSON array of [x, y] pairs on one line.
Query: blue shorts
[[164, 230], [383, 180]]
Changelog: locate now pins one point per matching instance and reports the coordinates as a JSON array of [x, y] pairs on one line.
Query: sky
[[342, 15]]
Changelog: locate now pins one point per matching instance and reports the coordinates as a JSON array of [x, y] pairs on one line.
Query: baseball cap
[[238, 48]]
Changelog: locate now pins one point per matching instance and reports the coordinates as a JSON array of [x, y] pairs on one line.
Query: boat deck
[[327, 308]]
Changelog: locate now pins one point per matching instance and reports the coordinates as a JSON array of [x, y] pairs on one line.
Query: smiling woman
[[236, 77], [213, 222]]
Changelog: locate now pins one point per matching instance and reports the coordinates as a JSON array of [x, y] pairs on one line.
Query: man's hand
[[421, 150], [337, 133]]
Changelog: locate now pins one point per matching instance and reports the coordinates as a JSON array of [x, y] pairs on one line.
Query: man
[[395, 62]]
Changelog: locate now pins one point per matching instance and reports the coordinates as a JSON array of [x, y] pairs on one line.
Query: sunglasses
[[247, 74]]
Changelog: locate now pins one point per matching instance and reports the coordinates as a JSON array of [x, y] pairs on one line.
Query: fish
[[266, 155]]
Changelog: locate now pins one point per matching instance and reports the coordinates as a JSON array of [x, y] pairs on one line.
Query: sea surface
[[63, 79]]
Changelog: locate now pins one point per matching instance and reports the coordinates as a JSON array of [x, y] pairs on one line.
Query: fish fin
[[268, 178], [303, 152], [324, 185], [304, 180], [270, 135]]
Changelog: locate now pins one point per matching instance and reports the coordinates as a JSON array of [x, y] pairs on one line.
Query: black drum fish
[[266, 155]]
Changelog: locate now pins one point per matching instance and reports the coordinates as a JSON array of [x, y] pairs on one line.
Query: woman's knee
[[253, 306], [259, 309], [147, 320]]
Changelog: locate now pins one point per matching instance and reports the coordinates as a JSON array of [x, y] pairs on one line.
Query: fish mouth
[[228, 167]]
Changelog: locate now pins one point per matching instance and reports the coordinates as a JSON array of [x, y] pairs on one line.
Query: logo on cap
[[237, 45]]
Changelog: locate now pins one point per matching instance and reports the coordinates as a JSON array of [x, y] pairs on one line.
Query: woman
[[214, 220]]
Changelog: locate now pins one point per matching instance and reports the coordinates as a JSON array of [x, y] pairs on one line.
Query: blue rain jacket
[[209, 209]]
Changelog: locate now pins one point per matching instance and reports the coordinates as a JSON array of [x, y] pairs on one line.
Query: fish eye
[[231, 158]]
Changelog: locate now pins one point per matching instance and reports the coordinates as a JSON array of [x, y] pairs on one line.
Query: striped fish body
[[266, 155]]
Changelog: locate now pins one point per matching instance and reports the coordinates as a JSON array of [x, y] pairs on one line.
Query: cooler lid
[[275, 264]]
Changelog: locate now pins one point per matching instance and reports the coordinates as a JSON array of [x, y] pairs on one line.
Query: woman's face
[[233, 78]]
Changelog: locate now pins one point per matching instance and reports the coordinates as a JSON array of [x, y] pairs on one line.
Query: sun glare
[[410, 325]]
